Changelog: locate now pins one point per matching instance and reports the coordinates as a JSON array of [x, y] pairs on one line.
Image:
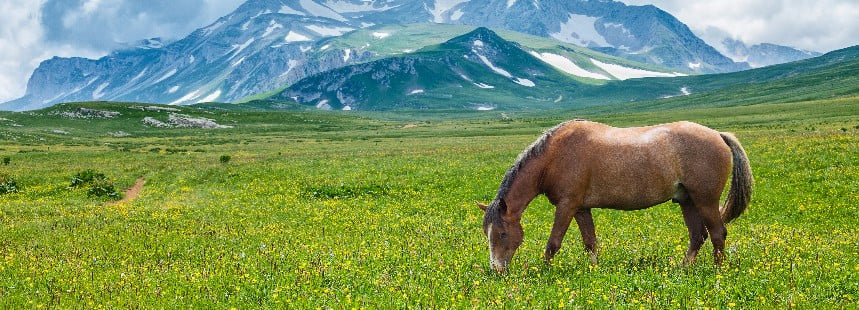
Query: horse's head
[[503, 231]]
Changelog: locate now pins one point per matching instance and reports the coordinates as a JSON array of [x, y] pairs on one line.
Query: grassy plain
[[318, 210]]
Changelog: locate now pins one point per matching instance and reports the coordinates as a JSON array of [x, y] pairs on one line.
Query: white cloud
[[818, 25]]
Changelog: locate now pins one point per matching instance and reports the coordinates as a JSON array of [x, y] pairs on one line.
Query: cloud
[[39, 29], [818, 25]]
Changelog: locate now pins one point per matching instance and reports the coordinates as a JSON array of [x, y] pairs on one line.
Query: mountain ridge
[[266, 44]]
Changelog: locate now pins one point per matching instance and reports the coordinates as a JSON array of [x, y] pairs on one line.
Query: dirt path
[[131, 192]]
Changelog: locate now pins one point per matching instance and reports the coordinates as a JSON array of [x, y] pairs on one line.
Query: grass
[[336, 210]]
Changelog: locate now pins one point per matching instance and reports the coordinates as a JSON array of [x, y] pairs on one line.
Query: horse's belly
[[636, 185]]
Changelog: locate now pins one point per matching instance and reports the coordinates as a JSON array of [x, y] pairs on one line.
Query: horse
[[581, 165]]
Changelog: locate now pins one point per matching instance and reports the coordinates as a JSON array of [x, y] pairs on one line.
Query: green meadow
[[352, 211]]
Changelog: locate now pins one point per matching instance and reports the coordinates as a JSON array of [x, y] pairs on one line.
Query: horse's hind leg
[[697, 231], [589, 237], [715, 226]]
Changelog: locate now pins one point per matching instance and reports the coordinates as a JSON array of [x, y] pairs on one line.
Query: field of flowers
[[382, 215]]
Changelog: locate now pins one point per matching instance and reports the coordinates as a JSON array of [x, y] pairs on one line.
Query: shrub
[[86, 177], [6, 160], [99, 184], [103, 187], [225, 159], [8, 184]]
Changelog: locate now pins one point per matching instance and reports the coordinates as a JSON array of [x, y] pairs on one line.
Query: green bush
[[98, 184], [103, 187], [6, 160], [225, 159], [86, 177], [8, 184]]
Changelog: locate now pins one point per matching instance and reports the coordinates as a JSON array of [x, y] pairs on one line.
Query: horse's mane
[[536, 149]]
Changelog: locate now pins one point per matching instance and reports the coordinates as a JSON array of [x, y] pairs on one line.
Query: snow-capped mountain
[[764, 54], [268, 44], [480, 69]]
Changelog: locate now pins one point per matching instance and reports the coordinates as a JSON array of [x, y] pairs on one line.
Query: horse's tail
[[741, 182]]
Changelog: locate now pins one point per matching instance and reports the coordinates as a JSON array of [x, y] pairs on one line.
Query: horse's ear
[[502, 206], [481, 206]]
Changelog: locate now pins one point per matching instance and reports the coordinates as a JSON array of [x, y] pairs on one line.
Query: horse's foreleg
[[589, 237], [697, 231], [563, 217]]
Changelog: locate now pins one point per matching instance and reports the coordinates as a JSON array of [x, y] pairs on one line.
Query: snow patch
[[320, 10], [478, 43], [685, 91], [272, 26], [140, 75], [510, 3], [694, 66], [381, 35], [208, 30], [456, 15], [484, 86], [325, 47], [188, 97], [191, 59], [347, 108], [485, 108], [291, 64], [211, 97], [293, 36], [238, 62], [239, 48], [524, 82], [288, 10], [173, 89], [493, 67], [329, 31], [566, 65], [304, 49], [323, 105], [416, 91], [347, 53], [166, 76], [580, 30], [440, 7], [624, 73], [99, 91]]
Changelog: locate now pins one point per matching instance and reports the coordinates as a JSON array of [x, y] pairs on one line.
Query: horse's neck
[[526, 186]]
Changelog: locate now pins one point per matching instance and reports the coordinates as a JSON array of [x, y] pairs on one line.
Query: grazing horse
[[581, 165]]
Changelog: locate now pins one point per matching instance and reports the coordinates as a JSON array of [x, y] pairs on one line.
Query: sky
[[816, 25], [34, 30]]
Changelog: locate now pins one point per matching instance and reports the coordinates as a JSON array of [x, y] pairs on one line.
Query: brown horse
[[581, 165]]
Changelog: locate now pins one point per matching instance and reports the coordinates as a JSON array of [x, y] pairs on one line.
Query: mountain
[[252, 50], [832, 75], [478, 70], [266, 44], [764, 54], [474, 71]]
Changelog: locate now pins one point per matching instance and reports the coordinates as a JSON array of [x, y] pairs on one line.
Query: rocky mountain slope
[[265, 45]]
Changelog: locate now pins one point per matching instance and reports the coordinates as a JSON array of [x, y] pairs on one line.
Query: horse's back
[[637, 167]]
